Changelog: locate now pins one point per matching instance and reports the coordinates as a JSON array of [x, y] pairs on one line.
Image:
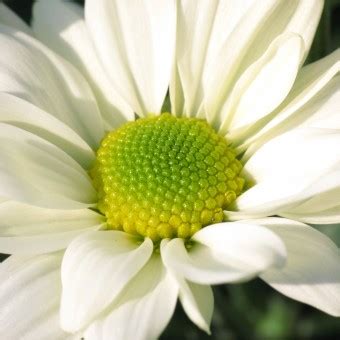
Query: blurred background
[[253, 310]]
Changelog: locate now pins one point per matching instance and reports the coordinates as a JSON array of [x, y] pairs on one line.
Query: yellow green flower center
[[165, 177]]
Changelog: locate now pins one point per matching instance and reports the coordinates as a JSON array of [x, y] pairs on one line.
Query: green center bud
[[165, 177]]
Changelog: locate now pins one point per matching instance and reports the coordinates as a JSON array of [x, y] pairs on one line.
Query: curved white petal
[[312, 272], [26, 229], [225, 252], [135, 42], [198, 303], [197, 300], [330, 231], [202, 28], [318, 200], [30, 71], [61, 26], [302, 202], [315, 202], [305, 20], [289, 169], [263, 86], [311, 102], [33, 171], [143, 309], [30, 290], [325, 216], [286, 154], [176, 95], [9, 18], [20, 113], [257, 28], [96, 268]]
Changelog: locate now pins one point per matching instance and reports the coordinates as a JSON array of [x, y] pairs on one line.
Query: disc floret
[[165, 177]]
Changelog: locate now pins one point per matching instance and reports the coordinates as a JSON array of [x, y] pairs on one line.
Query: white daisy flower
[[110, 219]]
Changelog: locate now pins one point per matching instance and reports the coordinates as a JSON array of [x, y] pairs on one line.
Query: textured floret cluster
[[165, 177]]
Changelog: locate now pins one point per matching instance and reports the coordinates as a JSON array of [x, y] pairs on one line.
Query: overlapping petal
[[147, 302], [311, 102], [324, 216], [197, 301], [36, 172], [135, 42], [289, 170], [18, 112], [30, 291], [202, 29], [115, 258], [226, 252], [262, 87], [320, 199], [232, 35], [32, 72], [61, 26], [312, 272], [251, 37], [26, 229]]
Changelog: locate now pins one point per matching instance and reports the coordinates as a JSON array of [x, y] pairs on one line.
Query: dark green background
[[253, 310]]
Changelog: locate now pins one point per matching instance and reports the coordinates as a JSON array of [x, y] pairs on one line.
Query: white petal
[[258, 27], [143, 309], [321, 111], [202, 28], [135, 42], [61, 26], [31, 71], [330, 231], [319, 200], [96, 268], [326, 216], [18, 112], [310, 103], [290, 168], [305, 20], [9, 18], [29, 296], [197, 300], [225, 252], [198, 303], [176, 94], [33, 171], [312, 271], [30, 230], [264, 85]]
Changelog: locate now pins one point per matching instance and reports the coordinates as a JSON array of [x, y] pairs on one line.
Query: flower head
[[113, 208]]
